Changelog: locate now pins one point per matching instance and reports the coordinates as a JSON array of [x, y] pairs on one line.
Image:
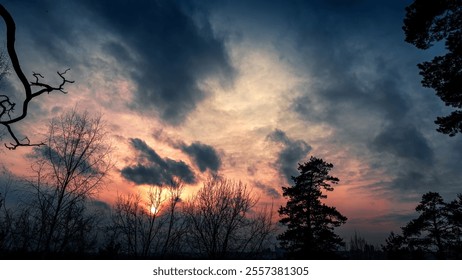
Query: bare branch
[[25, 142], [46, 87], [9, 108], [6, 105]]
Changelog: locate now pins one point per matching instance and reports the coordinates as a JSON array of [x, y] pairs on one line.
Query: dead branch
[[6, 105]]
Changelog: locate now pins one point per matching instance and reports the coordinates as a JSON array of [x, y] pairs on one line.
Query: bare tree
[[32, 89], [176, 223], [70, 169], [359, 248], [150, 226], [220, 220], [124, 225]]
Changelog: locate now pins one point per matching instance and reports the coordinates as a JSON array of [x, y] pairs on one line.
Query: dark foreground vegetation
[[53, 213]]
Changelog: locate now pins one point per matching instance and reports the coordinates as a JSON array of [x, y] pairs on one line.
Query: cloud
[[269, 191], [364, 86], [152, 169], [13, 189], [400, 219], [358, 68], [405, 142], [204, 156], [293, 152], [409, 159], [168, 49], [411, 179], [61, 159], [175, 50]]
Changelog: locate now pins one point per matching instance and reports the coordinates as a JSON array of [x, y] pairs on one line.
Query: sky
[[246, 89]]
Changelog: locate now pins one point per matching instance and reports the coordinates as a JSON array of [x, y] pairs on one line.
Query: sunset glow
[[245, 90]]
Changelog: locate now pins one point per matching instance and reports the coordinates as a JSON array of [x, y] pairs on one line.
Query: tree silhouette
[[454, 216], [176, 224], [359, 248], [221, 224], [143, 228], [436, 232], [133, 226], [396, 247], [70, 169], [429, 231], [426, 23], [310, 223], [7, 105]]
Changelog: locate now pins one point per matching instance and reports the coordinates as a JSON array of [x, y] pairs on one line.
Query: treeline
[[56, 215], [219, 222], [435, 234]]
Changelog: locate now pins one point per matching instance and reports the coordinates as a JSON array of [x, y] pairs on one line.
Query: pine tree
[[426, 23], [429, 231], [435, 233], [310, 223]]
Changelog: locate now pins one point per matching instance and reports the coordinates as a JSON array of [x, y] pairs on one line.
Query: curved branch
[[47, 88], [13, 146], [10, 40], [6, 106]]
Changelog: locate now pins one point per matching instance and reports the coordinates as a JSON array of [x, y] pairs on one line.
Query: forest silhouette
[[58, 215]]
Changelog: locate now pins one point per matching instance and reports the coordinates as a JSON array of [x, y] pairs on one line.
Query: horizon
[[247, 90]]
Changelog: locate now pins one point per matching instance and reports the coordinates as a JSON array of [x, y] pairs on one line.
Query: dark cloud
[[204, 156], [119, 51], [99, 205], [168, 48], [175, 51], [345, 101], [364, 85], [400, 219], [351, 81], [293, 152], [152, 169], [268, 190], [351, 54], [412, 181], [405, 142], [13, 189], [409, 159], [60, 160], [362, 82], [54, 29]]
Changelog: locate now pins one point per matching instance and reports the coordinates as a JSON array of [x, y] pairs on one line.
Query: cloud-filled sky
[[247, 89]]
